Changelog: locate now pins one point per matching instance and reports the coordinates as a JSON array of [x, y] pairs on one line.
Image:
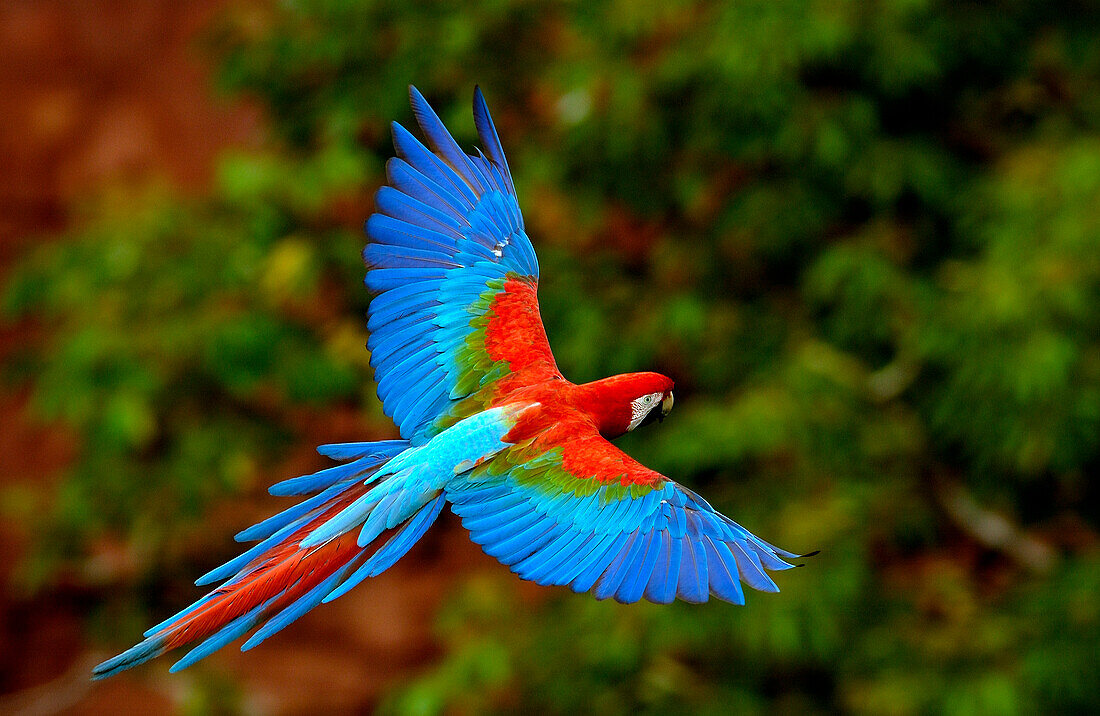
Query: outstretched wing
[[455, 320], [580, 512]]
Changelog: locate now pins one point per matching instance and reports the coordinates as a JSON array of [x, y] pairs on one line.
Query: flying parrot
[[488, 426]]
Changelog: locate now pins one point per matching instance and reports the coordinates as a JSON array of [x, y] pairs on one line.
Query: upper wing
[[455, 319], [580, 512]]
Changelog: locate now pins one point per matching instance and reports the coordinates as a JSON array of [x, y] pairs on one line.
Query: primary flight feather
[[488, 425]]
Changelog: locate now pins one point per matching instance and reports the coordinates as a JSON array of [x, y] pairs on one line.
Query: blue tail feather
[[297, 609], [139, 654], [178, 615], [223, 636], [393, 550], [408, 509]]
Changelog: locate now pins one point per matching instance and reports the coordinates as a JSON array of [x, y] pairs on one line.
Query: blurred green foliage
[[864, 239]]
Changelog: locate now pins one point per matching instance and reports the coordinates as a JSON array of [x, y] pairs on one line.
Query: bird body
[[488, 424]]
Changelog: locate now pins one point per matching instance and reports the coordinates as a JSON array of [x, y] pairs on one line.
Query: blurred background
[[862, 237]]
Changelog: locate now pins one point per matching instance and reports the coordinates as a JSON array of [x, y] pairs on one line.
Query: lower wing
[[581, 513]]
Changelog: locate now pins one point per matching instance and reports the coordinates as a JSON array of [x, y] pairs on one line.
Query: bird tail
[[305, 555]]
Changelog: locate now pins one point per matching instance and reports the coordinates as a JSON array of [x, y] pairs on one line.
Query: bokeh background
[[862, 237]]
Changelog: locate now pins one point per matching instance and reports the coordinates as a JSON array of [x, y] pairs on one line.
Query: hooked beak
[[666, 407]]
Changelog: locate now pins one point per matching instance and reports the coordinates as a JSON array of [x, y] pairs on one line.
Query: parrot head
[[624, 402], [649, 407]]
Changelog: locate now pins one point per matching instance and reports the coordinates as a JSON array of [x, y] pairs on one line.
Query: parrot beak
[[666, 407]]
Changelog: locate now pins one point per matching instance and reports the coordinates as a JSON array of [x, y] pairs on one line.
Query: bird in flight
[[488, 425]]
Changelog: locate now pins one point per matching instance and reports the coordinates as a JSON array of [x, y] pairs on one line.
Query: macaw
[[488, 425]]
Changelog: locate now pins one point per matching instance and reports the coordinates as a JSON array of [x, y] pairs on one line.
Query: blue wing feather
[[663, 582], [752, 571], [722, 568], [441, 140], [447, 231], [693, 583], [634, 584], [659, 542], [419, 157], [596, 562], [487, 132], [349, 451], [608, 582], [402, 207], [411, 180]]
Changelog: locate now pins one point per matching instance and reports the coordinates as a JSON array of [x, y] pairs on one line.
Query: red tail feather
[[284, 571], [277, 581]]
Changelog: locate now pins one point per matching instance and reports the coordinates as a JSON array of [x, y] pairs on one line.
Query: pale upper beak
[[666, 406]]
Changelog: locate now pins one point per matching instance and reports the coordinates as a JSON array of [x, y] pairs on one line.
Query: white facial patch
[[641, 407]]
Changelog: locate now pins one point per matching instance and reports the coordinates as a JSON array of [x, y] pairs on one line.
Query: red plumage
[[283, 567], [579, 418], [515, 333]]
